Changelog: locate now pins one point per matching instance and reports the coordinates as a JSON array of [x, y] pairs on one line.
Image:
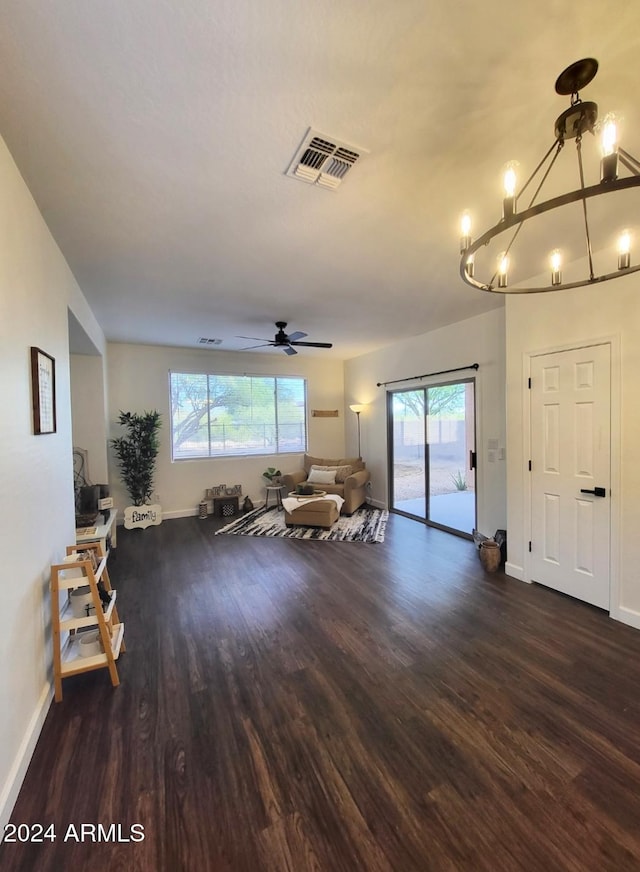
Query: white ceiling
[[155, 136]]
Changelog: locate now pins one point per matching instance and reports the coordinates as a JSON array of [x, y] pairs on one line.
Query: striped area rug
[[367, 524]]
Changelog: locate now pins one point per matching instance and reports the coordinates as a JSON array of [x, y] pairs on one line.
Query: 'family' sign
[[142, 516]]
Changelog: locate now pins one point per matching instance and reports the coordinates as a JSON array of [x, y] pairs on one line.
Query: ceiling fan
[[284, 341]]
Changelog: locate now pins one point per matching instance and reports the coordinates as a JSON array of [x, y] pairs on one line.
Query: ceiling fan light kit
[[284, 341], [576, 121]]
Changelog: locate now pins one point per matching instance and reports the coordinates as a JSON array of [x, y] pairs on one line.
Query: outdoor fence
[[229, 439]]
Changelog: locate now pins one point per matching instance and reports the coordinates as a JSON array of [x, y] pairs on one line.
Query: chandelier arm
[[539, 209], [629, 161], [584, 207], [545, 176], [534, 173], [533, 198]]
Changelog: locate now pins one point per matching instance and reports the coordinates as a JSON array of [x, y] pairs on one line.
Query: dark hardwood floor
[[297, 705]]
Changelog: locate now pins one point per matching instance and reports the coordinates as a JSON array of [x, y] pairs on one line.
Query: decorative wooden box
[[225, 507]]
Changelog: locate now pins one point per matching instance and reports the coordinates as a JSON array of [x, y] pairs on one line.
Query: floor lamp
[[357, 409]]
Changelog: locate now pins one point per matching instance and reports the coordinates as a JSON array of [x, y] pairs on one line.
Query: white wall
[[138, 378], [540, 322], [36, 497], [88, 413], [476, 340]]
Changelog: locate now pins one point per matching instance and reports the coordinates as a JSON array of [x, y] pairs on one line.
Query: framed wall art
[[43, 391]]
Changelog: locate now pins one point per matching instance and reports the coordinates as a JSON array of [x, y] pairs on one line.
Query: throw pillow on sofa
[[321, 476], [342, 472]]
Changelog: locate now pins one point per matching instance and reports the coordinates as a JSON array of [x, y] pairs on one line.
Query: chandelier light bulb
[[465, 230], [470, 266], [556, 264], [609, 136], [503, 269], [509, 182], [624, 250], [609, 146]]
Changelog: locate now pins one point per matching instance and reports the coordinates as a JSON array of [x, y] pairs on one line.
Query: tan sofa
[[353, 490]]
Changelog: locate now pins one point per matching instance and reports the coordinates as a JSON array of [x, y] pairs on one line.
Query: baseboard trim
[[515, 571], [626, 616], [179, 513], [18, 770]]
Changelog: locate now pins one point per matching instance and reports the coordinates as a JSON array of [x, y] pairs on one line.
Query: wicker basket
[[490, 555]]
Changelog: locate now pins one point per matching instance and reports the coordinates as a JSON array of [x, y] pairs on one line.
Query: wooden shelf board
[[73, 663], [69, 622], [78, 578]]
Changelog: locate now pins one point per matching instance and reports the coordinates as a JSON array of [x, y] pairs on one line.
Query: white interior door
[[570, 472]]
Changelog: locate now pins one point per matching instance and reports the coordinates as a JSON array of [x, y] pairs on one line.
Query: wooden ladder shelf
[[84, 567]]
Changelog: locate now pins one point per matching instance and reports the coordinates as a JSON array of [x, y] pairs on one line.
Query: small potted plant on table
[[272, 475]]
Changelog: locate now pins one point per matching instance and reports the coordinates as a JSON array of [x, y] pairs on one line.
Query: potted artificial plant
[[272, 475], [136, 453]]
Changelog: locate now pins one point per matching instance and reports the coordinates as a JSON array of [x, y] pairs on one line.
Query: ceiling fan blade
[[288, 349], [293, 337], [249, 347], [257, 338], [315, 344]]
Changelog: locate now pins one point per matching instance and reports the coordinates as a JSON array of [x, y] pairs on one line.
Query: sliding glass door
[[408, 435], [432, 454]]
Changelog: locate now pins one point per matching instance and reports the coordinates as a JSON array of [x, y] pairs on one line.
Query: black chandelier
[[580, 118]]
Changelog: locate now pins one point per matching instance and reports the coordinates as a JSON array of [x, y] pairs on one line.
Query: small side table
[[275, 489]]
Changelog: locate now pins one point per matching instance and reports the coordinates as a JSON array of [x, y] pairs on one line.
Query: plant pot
[[490, 555]]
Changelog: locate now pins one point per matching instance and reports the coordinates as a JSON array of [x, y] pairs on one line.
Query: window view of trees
[[218, 415], [443, 399]]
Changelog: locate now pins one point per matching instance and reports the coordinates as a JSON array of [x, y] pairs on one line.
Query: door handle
[[472, 460], [597, 491]]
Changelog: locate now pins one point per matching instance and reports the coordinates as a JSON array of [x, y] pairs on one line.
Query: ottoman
[[313, 513]]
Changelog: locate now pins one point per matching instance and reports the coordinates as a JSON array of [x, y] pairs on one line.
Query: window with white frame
[[226, 415]]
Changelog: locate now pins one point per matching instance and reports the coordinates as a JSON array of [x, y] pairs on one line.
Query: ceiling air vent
[[205, 341], [323, 160]]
